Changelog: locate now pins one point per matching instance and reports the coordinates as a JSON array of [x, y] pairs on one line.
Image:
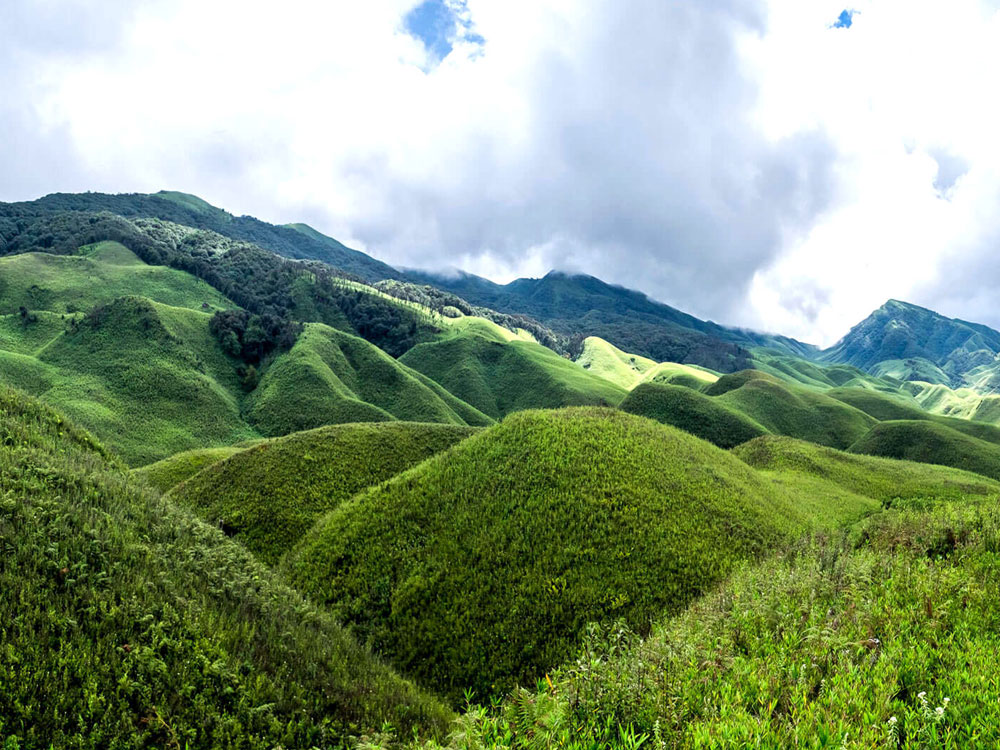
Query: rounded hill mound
[[269, 495], [480, 567]]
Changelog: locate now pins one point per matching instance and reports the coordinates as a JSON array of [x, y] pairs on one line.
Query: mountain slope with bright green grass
[[480, 567], [611, 363], [172, 470], [692, 412], [75, 283], [930, 442], [501, 377], [786, 409], [130, 623], [674, 373], [330, 376], [886, 636], [147, 377], [268, 496]]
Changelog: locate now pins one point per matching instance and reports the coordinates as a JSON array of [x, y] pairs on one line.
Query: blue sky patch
[[844, 20], [439, 24]]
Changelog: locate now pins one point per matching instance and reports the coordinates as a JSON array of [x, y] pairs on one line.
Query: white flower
[[921, 695], [892, 719], [947, 701], [939, 710]]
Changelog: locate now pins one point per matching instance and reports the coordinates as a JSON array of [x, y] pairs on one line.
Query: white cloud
[[738, 158]]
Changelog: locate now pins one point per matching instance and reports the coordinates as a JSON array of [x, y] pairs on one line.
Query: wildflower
[[892, 720]]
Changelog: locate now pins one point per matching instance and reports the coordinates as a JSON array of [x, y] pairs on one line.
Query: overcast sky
[[778, 164]]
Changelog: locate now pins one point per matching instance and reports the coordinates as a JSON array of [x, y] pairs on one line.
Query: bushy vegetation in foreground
[[692, 412], [333, 377], [268, 496], [170, 471], [884, 636], [931, 443], [129, 623], [480, 567], [499, 378]]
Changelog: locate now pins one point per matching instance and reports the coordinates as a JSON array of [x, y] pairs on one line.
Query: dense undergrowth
[[129, 623]]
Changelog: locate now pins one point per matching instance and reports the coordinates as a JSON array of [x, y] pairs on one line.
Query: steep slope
[[786, 409], [931, 443], [129, 623], [330, 377], [268, 496], [480, 567], [501, 377], [75, 283], [913, 343], [692, 412]]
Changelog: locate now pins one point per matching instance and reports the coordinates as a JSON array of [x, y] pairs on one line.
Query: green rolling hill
[[692, 412], [933, 443], [269, 495], [330, 376], [480, 567], [502, 377], [134, 624]]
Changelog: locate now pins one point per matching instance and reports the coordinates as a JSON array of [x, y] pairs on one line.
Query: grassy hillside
[[480, 567], [882, 479], [269, 496], [499, 378], [787, 409], [167, 472], [611, 363], [148, 378], [885, 637], [692, 412], [932, 443], [133, 624], [75, 283], [674, 373], [333, 377]]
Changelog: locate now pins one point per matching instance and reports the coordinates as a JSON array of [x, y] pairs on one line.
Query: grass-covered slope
[[674, 373], [148, 377], [692, 412], [932, 443], [886, 637], [269, 496], [882, 479], [172, 470], [333, 377], [130, 623], [75, 283], [786, 409], [499, 378], [611, 363], [480, 567]]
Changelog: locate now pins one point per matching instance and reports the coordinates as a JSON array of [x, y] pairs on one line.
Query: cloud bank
[[757, 162]]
